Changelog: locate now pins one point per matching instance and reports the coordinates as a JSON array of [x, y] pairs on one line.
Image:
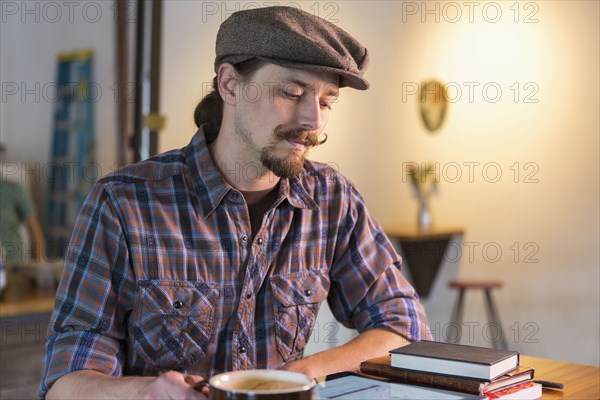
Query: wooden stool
[[487, 286]]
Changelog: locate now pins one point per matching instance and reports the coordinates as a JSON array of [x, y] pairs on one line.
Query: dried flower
[[423, 179]]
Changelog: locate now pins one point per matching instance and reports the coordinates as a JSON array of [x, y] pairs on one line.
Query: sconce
[[433, 104]]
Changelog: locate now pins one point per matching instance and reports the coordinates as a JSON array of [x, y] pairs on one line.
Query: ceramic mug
[[259, 384]]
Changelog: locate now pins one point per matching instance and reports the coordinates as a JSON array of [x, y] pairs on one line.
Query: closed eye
[[291, 96], [328, 101]]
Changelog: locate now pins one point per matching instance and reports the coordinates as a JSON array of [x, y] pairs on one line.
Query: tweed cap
[[292, 38]]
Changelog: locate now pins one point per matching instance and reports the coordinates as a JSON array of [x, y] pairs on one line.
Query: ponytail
[[209, 112]]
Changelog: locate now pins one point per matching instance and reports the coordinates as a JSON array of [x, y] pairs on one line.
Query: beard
[[291, 165], [286, 168]]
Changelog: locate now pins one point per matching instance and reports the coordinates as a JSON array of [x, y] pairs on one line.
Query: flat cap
[[292, 38]]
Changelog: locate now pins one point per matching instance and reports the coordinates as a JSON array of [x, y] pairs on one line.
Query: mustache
[[309, 138]]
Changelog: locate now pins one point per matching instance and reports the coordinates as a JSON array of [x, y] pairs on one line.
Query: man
[[217, 256], [17, 209]]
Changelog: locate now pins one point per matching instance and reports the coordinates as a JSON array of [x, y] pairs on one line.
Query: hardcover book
[[381, 367], [455, 359], [522, 391]]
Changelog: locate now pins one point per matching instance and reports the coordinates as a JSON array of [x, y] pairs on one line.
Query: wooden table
[[23, 297], [38, 303], [416, 234], [581, 381], [25, 311]]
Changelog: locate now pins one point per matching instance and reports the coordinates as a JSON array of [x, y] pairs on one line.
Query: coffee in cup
[[261, 384]]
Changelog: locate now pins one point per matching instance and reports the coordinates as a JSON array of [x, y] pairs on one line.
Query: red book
[[523, 391]]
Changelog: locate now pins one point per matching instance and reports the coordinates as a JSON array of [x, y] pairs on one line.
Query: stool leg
[[456, 318], [493, 318]]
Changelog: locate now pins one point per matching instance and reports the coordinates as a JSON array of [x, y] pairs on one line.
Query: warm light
[[483, 50]]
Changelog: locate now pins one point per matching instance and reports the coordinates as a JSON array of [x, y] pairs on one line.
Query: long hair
[[210, 109]]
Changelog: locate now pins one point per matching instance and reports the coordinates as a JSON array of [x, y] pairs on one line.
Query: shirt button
[[235, 195], [259, 241], [242, 349], [244, 238], [177, 304], [248, 295], [308, 292]]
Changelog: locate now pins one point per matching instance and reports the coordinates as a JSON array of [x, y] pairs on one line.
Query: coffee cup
[[259, 384]]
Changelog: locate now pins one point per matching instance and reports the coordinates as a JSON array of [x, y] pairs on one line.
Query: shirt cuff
[[79, 350]]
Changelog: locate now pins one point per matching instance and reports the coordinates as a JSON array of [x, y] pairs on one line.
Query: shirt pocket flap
[[177, 297], [300, 287]]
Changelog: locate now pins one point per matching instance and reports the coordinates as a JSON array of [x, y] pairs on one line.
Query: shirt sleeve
[[24, 204], [87, 328], [368, 289]]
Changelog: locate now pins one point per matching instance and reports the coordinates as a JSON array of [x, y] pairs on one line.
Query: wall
[[32, 34], [518, 155]]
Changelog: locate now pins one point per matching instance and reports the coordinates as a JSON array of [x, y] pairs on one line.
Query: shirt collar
[[296, 194], [209, 185], [211, 188]]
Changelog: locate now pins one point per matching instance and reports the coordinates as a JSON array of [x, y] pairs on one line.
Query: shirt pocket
[[174, 322], [296, 301]]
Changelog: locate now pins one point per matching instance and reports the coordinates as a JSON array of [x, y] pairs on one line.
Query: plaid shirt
[[162, 272]]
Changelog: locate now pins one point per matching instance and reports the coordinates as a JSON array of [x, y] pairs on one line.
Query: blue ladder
[[72, 171]]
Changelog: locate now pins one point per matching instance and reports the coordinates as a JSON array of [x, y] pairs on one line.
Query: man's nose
[[310, 115]]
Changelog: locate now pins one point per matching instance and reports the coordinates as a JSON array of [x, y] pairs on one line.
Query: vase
[[424, 218]]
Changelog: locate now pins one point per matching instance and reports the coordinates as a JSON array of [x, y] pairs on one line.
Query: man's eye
[[291, 96], [328, 102]]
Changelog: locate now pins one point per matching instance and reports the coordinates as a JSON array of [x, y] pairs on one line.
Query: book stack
[[490, 373]]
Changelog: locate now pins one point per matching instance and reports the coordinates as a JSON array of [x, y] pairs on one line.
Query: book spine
[[430, 380]]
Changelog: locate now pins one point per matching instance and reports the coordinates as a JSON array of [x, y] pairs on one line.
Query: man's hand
[[36, 237], [302, 366], [175, 385], [87, 384]]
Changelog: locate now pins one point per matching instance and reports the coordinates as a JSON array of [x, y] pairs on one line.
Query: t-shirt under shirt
[[259, 201]]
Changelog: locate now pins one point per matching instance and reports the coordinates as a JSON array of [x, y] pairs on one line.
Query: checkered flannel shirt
[[162, 273]]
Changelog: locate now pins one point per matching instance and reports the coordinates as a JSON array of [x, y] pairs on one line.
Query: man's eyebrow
[[331, 89]]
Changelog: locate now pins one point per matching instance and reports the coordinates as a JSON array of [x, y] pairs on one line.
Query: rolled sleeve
[[368, 289], [87, 328], [79, 350]]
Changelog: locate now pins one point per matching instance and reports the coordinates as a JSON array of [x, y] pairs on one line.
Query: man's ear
[[227, 82]]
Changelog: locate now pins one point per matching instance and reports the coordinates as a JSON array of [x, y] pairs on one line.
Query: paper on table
[[357, 387]]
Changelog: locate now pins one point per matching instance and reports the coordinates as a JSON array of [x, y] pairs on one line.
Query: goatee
[[292, 165]]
